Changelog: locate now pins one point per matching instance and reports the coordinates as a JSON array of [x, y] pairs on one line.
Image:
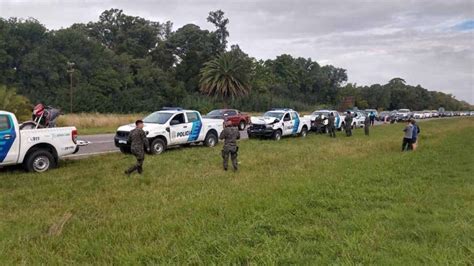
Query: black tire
[[211, 140], [125, 150], [29, 125], [157, 146], [276, 135], [242, 125], [304, 132], [40, 161]]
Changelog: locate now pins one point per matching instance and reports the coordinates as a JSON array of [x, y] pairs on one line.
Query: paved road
[[104, 143]]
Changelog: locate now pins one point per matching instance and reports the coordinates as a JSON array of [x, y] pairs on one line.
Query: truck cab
[[173, 127]]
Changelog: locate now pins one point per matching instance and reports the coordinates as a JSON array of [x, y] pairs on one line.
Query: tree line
[[124, 63]]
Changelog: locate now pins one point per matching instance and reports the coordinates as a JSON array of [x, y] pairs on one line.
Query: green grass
[[306, 201]]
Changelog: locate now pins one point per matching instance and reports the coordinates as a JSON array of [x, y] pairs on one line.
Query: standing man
[[331, 125], [372, 118], [367, 124], [407, 138], [416, 131], [138, 142], [230, 135], [348, 124]]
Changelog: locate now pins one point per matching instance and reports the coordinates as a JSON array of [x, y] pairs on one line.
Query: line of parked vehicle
[[405, 114]]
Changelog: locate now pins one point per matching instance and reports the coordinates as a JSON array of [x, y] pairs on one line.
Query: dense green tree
[[12, 102]]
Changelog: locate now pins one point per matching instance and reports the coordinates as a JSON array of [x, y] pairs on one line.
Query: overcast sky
[[430, 42]]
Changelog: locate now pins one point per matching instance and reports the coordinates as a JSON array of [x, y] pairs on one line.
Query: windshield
[[274, 114], [157, 118], [320, 113], [215, 113]]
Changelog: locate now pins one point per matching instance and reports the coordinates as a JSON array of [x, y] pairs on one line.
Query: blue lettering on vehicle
[[6, 144], [197, 125], [183, 134]]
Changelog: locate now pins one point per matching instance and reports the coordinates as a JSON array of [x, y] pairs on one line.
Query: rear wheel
[[242, 125], [304, 132], [40, 161], [210, 140], [157, 146], [276, 135]]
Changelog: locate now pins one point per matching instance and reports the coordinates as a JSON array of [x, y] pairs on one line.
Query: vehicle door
[[287, 124], [296, 123], [337, 120], [179, 129], [9, 140], [195, 126]]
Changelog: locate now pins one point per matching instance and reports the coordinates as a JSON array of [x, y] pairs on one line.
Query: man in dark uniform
[[331, 125], [348, 124], [367, 124], [230, 135], [138, 142]]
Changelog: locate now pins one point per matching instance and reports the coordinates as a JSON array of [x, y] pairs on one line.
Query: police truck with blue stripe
[[173, 127], [279, 122]]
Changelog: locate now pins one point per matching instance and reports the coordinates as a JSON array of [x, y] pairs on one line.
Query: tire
[[158, 146], [304, 132], [29, 125], [276, 135], [210, 140], [242, 125], [125, 150], [40, 161]]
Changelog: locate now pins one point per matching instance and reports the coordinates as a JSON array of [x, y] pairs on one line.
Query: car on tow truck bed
[[173, 127]]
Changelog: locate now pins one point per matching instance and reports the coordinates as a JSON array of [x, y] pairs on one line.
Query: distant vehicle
[[357, 119], [237, 118], [427, 114], [369, 111], [173, 127], [418, 115], [277, 123], [323, 116], [434, 113], [401, 115], [38, 150], [384, 116]]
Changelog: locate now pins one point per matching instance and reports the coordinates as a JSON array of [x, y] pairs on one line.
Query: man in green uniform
[[348, 124], [367, 123], [331, 125], [230, 135], [138, 142]]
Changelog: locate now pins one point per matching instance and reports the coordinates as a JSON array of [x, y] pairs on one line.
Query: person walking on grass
[[348, 124], [416, 132], [138, 142], [331, 125], [407, 138], [372, 118], [367, 124], [230, 135]]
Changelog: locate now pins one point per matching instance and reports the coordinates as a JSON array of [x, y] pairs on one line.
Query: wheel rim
[[304, 133], [41, 164], [158, 148], [242, 125], [211, 142], [278, 136]]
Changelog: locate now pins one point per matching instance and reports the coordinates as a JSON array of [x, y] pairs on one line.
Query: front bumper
[[260, 132], [121, 142]]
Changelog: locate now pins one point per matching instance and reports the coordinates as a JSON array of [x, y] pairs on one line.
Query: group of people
[[230, 135], [410, 139]]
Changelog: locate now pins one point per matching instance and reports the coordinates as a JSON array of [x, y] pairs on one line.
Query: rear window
[[4, 122]]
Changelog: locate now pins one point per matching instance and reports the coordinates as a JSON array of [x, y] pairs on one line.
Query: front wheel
[[304, 132], [40, 161], [125, 150], [210, 140], [157, 146], [276, 135], [241, 125]]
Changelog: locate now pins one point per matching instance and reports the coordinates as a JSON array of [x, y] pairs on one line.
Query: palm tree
[[226, 76]]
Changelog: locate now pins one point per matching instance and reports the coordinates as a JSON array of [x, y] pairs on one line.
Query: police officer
[[138, 142], [230, 135], [367, 124], [331, 125], [348, 124]]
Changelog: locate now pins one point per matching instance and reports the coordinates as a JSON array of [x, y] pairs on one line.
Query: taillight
[[74, 136]]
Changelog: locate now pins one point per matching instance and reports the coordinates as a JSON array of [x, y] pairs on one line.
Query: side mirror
[[174, 122]]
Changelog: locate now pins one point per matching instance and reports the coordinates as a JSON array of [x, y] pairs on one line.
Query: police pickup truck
[[173, 127], [37, 149], [277, 123]]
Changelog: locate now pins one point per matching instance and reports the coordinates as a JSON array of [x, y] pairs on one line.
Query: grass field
[[94, 123], [305, 201]]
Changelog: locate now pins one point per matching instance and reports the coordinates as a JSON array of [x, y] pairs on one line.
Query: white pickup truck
[[173, 127], [37, 149], [277, 123]]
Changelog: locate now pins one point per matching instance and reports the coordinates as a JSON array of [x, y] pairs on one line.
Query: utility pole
[[70, 70]]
